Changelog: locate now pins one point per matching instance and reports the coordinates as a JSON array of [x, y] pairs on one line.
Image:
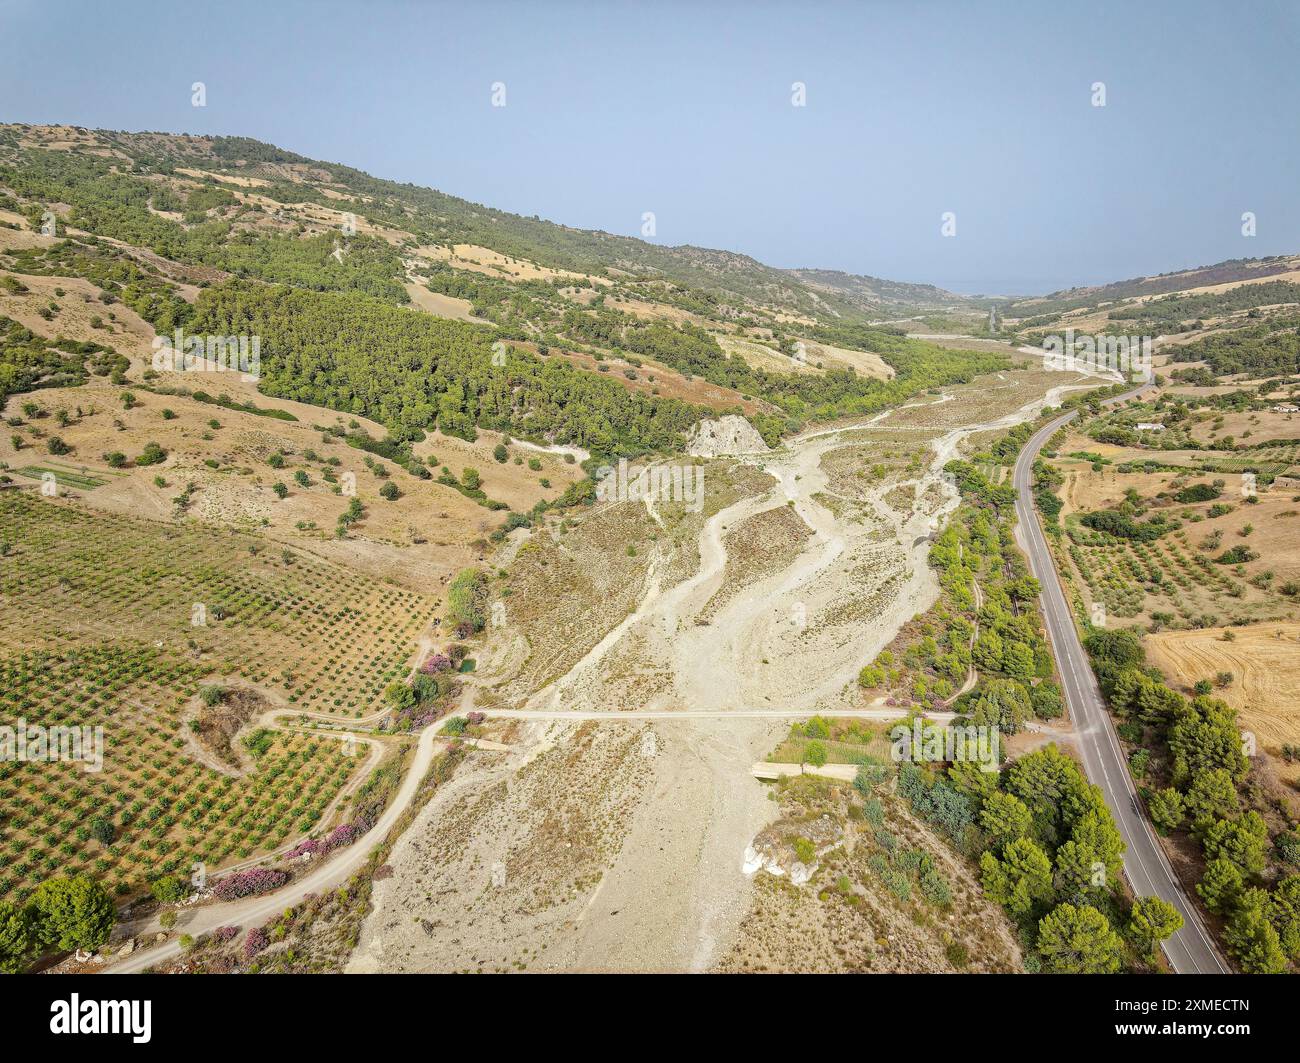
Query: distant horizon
[[832, 137]]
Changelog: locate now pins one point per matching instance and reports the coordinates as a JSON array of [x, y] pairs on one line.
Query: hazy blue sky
[[684, 109]]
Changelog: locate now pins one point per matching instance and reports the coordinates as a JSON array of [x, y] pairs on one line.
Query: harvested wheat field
[[1264, 660]]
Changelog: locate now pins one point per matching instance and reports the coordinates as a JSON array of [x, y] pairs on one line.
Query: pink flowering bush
[[435, 663], [341, 835], [225, 933], [308, 845], [247, 883], [255, 942], [476, 718]]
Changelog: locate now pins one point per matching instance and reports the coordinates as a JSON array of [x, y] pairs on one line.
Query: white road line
[[1191, 950]]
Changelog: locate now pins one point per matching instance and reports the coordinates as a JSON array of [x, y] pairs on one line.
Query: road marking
[[1085, 702]]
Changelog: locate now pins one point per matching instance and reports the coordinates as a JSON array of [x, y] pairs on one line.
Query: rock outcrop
[[774, 849], [724, 436]]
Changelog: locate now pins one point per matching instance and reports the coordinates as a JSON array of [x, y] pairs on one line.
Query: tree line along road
[[1191, 950]]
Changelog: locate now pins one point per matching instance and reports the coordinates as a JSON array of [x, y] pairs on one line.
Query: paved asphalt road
[[1191, 950]]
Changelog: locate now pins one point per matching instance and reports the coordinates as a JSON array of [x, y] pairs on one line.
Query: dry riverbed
[[618, 845]]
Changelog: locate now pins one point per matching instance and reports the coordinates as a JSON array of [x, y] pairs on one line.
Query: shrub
[[466, 601], [871, 676], [247, 883], [306, 847], [73, 913], [1238, 555], [259, 742], [1198, 493], [167, 889], [255, 942], [18, 938], [343, 834], [153, 454], [817, 727], [1046, 700], [435, 663]]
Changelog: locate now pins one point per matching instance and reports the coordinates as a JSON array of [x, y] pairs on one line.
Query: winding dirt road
[[333, 872]]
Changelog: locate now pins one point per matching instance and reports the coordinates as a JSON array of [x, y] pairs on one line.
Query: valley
[[597, 719]]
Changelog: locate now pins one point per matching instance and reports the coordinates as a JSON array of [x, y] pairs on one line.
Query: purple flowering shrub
[[225, 933], [435, 663], [247, 883], [341, 835], [255, 942], [307, 845]]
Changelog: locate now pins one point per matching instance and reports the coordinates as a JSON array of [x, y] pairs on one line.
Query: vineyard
[[117, 623]]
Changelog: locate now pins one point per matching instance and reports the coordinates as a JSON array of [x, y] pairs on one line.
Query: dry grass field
[[864, 362], [1264, 662], [440, 305], [225, 452], [235, 458]]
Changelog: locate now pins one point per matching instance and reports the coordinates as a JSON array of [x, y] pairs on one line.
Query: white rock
[[801, 873], [723, 436]]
